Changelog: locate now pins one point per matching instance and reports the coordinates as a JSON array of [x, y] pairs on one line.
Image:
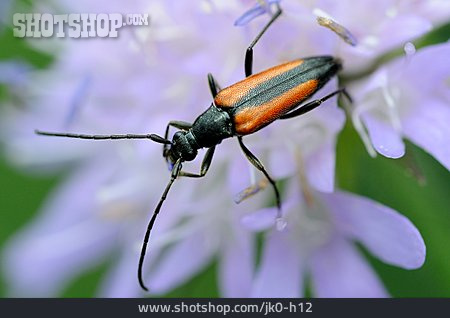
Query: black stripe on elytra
[[320, 68]]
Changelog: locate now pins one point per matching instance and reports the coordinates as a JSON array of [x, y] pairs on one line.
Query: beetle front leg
[[255, 161], [206, 163], [213, 86], [248, 64], [182, 125]]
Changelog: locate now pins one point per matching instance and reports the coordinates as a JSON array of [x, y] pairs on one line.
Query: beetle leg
[[213, 86], [248, 65], [182, 125], [255, 161], [206, 163], [313, 104]]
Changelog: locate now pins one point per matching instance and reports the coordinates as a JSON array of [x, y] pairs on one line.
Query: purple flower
[[408, 98], [319, 240], [103, 206], [148, 76], [260, 8]]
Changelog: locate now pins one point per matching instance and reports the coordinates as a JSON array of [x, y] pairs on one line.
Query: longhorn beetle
[[236, 111]]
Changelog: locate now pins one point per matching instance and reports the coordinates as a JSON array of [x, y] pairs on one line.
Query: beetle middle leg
[[248, 64], [206, 163], [255, 161], [314, 104]]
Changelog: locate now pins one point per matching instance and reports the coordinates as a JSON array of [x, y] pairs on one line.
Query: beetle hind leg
[[255, 161], [314, 104]]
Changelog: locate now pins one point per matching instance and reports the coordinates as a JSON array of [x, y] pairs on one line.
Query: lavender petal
[[385, 139], [236, 266], [280, 273], [386, 233], [248, 16], [320, 167], [397, 31], [120, 281], [64, 241], [338, 270], [180, 263], [429, 128]]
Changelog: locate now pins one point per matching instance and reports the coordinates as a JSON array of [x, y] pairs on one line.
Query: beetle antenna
[[175, 172], [152, 137]]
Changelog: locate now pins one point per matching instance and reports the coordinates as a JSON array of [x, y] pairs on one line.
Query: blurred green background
[[392, 182]]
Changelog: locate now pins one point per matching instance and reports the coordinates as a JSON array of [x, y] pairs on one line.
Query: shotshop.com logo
[[75, 25]]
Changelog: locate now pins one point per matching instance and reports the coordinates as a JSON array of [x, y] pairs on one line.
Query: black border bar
[[231, 307]]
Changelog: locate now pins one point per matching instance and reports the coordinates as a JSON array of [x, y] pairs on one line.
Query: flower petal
[[248, 16], [280, 273], [387, 234], [320, 167], [281, 162], [384, 138], [41, 265], [338, 270], [121, 280], [239, 174], [180, 263], [422, 78], [236, 266], [260, 220], [63, 241], [265, 218], [399, 30], [429, 128]]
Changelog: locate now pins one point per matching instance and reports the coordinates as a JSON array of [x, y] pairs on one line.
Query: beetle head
[[181, 147]]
